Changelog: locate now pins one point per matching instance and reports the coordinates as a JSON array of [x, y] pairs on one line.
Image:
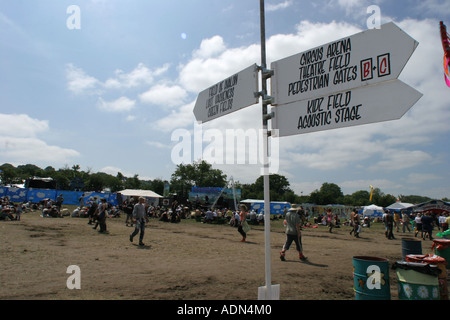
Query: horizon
[[111, 86]]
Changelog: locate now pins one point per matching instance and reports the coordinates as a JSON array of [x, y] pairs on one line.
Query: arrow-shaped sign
[[363, 59], [381, 102], [229, 95]]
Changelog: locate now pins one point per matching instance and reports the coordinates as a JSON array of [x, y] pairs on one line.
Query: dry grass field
[[180, 261]]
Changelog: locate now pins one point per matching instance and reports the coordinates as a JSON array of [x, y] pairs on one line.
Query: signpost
[[351, 81], [381, 102], [364, 59], [228, 95]]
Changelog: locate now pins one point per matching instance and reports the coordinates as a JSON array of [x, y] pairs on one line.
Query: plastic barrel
[[417, 281], [411, 246], [371, 278], [442, 248], [440, 263]]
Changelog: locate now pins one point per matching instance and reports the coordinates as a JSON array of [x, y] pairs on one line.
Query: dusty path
[[188, 260]]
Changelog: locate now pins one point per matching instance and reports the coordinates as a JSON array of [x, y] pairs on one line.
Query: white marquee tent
[[373, 210], [139, 193], [399, 206]]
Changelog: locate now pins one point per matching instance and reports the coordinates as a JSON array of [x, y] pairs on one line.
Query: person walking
[[92, 210], [389, 223], [405, 221], [243, 226], [427, 225], [102, 215], [418, 222], [129, 211], [330, 220], [59, 201], [356, 223], [139, 218], [293, 225]]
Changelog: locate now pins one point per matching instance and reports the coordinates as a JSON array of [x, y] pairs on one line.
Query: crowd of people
[[138, 211], [13, 211]]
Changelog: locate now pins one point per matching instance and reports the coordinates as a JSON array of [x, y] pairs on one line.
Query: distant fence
[[70, 197]]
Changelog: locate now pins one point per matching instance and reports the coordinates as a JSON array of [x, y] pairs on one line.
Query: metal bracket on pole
[[268, 99], [266, 73], [269, 116], [265, 98]]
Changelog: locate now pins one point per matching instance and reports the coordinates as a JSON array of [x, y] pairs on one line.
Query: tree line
[[199, 174]]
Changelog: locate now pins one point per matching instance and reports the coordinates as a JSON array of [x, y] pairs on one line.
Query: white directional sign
[[363, 59], [229, 95], [381, 102]]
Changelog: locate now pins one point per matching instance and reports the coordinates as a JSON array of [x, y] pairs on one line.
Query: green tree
[[29, 170], [133, 183], [198, 174], [8, 174], [360, 198], [329, 193], [279, 186]]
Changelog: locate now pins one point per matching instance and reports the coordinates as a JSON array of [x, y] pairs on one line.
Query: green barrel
[[442, 248], [371, 278], [411, 246], [417, 281]]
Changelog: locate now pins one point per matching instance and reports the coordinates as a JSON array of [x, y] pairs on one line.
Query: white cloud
[[164, 95], [19, 141], [119, 105], [206, 69], [79, 81], [141, 75], [210, 48], [278, 6], [417, 178], [177, 119], [20, 150], [393, 160], [435, 7], [158, 145], [21, 125]]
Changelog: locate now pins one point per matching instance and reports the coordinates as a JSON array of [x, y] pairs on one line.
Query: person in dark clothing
[[389, 222], [92, 210], [129, 211], [102, 216], [427, 225]]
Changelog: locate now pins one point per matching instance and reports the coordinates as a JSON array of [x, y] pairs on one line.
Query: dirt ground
[[186, 260]]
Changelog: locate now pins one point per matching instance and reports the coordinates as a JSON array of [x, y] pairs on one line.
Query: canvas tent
[[153, 196], [373, 210], [435, 206], [397, 206]]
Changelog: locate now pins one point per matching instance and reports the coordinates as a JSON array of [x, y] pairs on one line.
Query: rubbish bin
[[411, 246], [438, 261], [417, 281], [371, 278]]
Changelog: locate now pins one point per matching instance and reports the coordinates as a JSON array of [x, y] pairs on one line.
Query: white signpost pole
[[268, 292], [232, 94]]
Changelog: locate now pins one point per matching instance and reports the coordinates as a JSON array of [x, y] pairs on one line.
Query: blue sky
[[110, 95]]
